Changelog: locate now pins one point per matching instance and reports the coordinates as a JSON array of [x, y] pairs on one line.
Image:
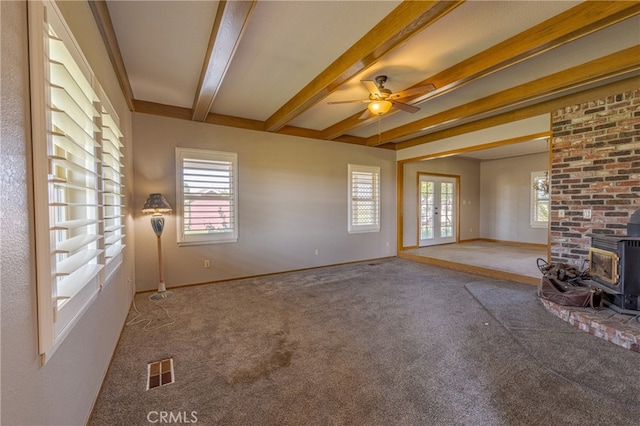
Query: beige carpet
[[389, 342]]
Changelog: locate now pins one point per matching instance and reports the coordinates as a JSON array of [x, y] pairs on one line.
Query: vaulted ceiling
[[274, 65]]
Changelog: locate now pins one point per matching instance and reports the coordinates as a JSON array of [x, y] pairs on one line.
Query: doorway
[[437, 209]]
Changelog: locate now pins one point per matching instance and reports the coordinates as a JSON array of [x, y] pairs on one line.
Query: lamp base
[[161, 295]]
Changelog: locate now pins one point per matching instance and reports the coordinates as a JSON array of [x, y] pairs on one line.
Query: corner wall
[[596, 167], [292, 196]]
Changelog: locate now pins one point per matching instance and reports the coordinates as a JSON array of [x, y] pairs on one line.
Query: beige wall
[[469, 205], [292, 202], [505, 203], [63, 391]]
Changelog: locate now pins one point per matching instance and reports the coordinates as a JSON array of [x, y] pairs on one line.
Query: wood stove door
[[437, 209]]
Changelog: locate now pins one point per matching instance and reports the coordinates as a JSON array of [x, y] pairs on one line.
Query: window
[[77, 178], [364, 199], [207, 196], [540, 199]]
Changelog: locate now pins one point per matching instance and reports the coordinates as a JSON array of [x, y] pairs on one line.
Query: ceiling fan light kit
[[379, 107]]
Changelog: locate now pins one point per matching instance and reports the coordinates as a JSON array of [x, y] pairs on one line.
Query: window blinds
[[74, 189], [112, 187]]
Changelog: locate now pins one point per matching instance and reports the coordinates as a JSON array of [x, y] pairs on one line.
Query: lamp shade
[[156, 203], [379, 107]]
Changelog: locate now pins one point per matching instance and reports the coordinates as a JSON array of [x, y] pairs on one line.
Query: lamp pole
[[157, 204], [157, 223]]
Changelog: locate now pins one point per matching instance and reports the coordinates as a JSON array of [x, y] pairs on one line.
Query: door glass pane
[[427, 204], [446, 213]]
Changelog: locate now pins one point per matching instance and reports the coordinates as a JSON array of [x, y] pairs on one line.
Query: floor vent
[[160, 373]]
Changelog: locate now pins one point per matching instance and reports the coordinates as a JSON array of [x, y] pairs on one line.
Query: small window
[[364, 199], [540, 199], [207, 196]]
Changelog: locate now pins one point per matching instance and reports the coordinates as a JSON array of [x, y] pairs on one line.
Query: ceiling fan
[[382, 99]]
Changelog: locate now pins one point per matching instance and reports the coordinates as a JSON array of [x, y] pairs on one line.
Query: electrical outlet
[[586, 213], [207, 263], [317, 252], [561, 213]]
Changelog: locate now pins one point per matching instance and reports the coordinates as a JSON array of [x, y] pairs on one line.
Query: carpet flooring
[[386, 342]]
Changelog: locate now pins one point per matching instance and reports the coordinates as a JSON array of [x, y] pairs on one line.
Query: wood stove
[[614, 266]]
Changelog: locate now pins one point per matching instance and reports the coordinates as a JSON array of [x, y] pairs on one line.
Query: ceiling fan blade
[[420, 90], [405, 107], [371, 86], [366, 114], [348, 102]]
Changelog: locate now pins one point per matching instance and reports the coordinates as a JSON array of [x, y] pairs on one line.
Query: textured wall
[[596, 167], [17, 282]]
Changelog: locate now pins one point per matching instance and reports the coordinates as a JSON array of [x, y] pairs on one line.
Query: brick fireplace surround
[[595, 167]]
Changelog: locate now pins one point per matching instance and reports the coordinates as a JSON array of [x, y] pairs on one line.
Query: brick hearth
[[622, 330]]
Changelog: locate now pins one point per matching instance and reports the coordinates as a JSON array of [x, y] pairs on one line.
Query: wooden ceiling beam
[[621, 63], [105, 26], [229, 25], [570, 25], [403, 22], [186, 114], [163, 110]]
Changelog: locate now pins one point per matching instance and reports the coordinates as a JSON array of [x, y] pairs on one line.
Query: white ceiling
[[286, 44]]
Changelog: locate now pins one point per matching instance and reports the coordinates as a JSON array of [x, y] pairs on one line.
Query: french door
[[437, 209]]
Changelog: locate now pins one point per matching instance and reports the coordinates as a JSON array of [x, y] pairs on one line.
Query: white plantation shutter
[[207, 196], [75, 145], [364, 199], [112, 195], [74, 188]]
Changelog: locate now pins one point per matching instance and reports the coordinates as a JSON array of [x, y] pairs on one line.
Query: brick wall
[[595, 166]]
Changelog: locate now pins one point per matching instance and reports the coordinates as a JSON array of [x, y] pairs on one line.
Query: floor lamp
[[156, 204]]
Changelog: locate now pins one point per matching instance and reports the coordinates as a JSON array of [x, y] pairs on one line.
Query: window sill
[[204, 243], [540, 225]]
